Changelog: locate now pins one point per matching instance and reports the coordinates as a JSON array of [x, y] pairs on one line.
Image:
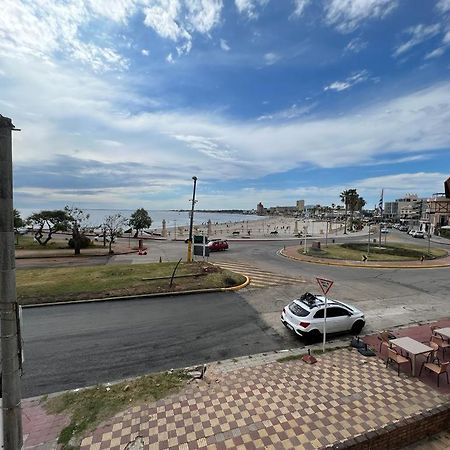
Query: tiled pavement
[[259, 278], [41, 430], [276, 405]]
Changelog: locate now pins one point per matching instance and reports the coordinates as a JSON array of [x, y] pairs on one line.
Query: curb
[[361, 266], [142, 296]]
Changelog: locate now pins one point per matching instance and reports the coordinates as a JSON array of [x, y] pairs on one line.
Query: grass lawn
[[79, 283], [58, 243], [388, 252], [89, 407]]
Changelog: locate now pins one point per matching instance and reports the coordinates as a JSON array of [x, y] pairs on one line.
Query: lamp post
[[191, 224]]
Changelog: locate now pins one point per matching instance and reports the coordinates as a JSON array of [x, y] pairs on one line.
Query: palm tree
[[344, 199]]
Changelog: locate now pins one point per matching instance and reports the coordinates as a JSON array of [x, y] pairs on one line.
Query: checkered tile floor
[[277, 406]]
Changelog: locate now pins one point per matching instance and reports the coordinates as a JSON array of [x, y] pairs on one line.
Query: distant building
[[282, 210], [438, 210], [300, 205], [409, 209], [260, 210]]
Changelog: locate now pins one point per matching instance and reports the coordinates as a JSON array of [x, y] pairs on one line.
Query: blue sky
[[121, 102]]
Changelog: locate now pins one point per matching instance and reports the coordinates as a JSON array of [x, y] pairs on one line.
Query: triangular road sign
[[324, 284]]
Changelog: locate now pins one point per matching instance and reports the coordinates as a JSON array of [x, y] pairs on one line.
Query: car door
[[338, 319]]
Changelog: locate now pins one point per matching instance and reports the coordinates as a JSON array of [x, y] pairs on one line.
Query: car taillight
[[304, 324]]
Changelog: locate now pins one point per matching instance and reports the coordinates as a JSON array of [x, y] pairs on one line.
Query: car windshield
[[297, 310]]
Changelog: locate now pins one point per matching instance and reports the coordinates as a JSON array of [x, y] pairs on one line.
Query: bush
[[85, 242], [445, 233]]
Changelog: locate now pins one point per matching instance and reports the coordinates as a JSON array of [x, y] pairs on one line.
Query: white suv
[[305, 316]]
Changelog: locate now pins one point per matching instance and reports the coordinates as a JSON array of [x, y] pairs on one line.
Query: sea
[[172, 218]]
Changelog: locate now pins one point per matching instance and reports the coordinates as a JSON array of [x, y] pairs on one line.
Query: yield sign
[[325, 285]]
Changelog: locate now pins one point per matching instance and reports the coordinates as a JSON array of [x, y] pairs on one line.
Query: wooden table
[[443, 331], [413, 347]]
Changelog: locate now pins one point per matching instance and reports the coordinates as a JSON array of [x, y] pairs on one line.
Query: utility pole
[[9, 308], [191, 223]]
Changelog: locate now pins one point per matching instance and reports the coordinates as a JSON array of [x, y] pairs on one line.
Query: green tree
[[140, 220], [18, 221], [113, 227], [57, 220], [77, 223]]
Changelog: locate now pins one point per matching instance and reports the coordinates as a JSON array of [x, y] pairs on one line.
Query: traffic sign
[[324, 284]]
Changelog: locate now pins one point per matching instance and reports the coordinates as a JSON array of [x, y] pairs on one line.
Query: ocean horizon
[[172, 217]]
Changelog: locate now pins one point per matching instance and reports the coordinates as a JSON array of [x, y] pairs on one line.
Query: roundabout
[[356, 254]]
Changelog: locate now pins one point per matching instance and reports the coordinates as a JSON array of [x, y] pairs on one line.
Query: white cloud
[[417, 35], [43, 29], [300, 6], [250, 7], [436, 53], [347, 15], [356, 78], [116, 10], [443, 6], [145, 52], [271, 58], [224, 45], [177, 20], [293, 112], [170, 59], [355, 45], [406, 182], [203, 15]]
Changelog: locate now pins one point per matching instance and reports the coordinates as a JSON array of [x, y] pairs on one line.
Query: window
[[337, 312], [319, 314], [298, 310]]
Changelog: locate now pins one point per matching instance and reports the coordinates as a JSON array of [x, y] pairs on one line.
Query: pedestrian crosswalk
[[259, 278]]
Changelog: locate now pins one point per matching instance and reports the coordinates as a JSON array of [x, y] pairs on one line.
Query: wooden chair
[[438, 369], [383, 337], [398, 359], [441, 342]]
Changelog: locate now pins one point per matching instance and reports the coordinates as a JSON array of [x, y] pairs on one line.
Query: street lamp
[[189, 257]]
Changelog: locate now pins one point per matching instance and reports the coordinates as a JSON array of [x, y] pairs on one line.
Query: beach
[[262, 228]]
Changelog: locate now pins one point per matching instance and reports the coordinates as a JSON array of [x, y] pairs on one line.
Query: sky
[[121, 102]]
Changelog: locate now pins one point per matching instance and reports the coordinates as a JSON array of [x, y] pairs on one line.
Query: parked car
[[305, 316], [217, 246], [418, 234], [384, 230], [402, 228]]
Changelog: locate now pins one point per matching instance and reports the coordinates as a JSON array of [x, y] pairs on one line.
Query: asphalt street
[[71, 346]]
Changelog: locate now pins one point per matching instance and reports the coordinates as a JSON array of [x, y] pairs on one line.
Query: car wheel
[[313, 336], [357, 327]]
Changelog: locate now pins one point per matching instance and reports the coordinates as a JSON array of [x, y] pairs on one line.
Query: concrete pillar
[[9, 309]]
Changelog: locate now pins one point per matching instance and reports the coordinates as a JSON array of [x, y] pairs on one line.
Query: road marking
[[258, 278]]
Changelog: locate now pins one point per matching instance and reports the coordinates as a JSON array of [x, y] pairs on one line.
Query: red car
[[217, 246]]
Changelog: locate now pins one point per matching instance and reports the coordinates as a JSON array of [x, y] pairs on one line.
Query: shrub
[[85, 242]]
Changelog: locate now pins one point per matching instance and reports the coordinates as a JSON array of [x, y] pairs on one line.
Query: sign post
[[325, 286]]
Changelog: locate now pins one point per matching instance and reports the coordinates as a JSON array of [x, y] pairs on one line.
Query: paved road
[[78, 345]]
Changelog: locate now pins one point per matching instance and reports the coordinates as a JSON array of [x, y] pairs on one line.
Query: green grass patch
[[27, 242], [291, 358], [89, 407], [79, 283], [387, 252]]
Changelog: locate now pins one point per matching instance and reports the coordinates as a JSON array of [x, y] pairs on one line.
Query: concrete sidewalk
[[343, 400]]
